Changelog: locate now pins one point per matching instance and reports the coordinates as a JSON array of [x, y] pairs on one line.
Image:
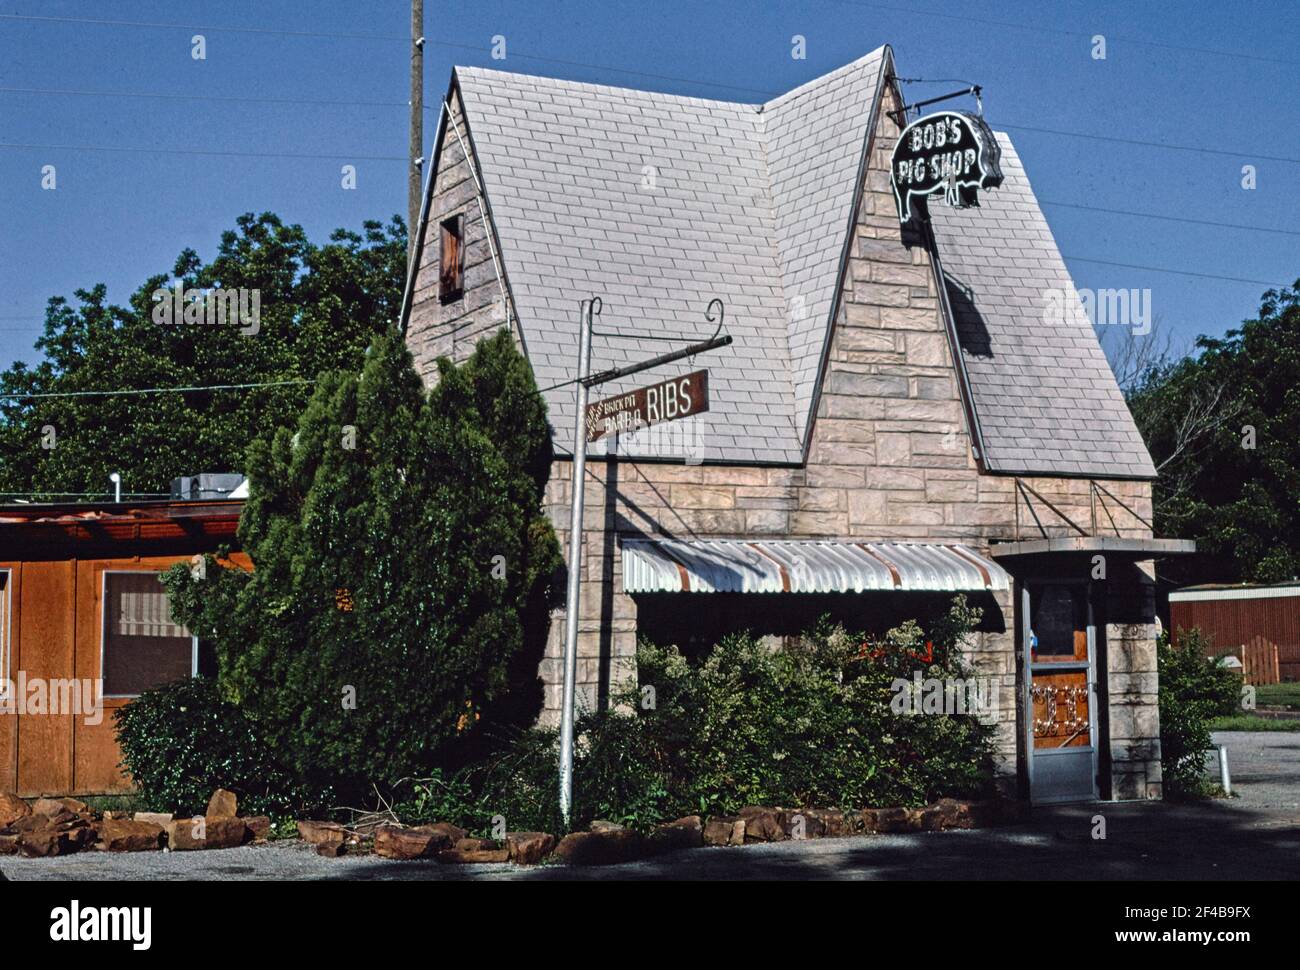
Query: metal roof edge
[[417, 249], [1139, 548], [883, 73]]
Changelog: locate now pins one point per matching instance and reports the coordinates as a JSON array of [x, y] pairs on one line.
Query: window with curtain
[[143, 646]]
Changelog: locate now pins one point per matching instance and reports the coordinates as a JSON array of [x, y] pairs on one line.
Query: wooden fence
[[1259, 660]]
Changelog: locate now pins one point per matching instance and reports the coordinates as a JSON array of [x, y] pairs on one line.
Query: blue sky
[[116, 217]]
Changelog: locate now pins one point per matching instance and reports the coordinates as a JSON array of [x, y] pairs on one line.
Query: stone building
[[907, 411]]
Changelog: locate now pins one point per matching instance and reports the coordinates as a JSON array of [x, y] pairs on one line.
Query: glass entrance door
[[1059, 641]]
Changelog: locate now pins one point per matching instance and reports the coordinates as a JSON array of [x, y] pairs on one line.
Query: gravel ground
[[1255, 836], [1264, 767]]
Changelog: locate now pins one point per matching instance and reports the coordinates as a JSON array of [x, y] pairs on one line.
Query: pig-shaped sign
[[950, 152]]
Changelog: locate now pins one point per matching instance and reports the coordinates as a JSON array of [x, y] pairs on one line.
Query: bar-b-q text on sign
[[679, 397]]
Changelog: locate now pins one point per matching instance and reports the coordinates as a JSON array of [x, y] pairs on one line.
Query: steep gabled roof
[[816, 137], [1043, 391], [660, 203], [657, 204]]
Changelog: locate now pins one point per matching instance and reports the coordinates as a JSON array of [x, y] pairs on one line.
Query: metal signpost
[[667, 400]]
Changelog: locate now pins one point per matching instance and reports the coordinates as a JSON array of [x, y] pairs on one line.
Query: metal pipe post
[[587, 309]]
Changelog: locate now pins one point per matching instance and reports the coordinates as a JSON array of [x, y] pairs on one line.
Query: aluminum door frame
[[1090, 668]]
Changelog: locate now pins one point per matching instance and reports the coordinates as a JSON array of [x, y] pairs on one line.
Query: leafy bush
[[181, 741], [812, 724], [403, 570], [803, 726], [1194, 689], [615, 778]]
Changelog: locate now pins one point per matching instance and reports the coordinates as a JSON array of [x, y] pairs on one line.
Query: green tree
[[1223, 426], [320, 306], [1194, 688], [403, 569]]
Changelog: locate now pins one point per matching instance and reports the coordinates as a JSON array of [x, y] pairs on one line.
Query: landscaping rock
[[34, 839], [42, 843], [529, 848], [8, 843], [838, 824], [222, 804], [475, 851], [945, 814], [322, 833], [51, 807], [127, 835], [725, 830], [216, 833], [763, 824], [600, 825], [29, 823], [819, 823], [683, 833], [400, 842], [605, 848], [331, 850], [153, 818], [12, 808], [803, 823], [454, 833], [884, 820], [259, 827]]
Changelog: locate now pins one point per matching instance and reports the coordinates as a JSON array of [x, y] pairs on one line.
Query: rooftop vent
[[210, 485]]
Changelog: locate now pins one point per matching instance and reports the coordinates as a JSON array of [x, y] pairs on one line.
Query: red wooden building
[[1247, 622], [85, 627]]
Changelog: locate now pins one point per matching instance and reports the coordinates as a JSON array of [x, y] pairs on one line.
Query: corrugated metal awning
[[803, 566]]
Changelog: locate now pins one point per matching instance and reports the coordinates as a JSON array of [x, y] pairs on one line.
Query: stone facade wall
[[890, 459], [1133, 685]]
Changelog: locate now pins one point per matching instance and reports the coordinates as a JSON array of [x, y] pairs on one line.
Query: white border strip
[[1265, 593]]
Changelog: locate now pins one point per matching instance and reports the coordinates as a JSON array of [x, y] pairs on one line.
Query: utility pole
[[417, 125], [587, 310]]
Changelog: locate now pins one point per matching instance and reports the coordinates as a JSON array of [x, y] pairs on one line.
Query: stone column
[[1133, 683]]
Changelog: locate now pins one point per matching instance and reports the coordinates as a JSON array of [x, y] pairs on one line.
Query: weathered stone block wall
[[438, 329]]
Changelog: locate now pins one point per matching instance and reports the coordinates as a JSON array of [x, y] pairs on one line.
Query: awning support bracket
[[1030, 490]]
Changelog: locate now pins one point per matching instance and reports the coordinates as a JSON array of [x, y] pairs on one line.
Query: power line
[[152, 390], [1061, 32], [401, 158], [206, 97], [198, 151], [1153, 215], [1177, 272], [618, 70], [209, 27], [377, 37], [1060, 132], [911, 11], [1151, 144]]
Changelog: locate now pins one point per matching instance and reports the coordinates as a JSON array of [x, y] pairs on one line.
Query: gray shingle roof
[[665, 202], [1044, 395]]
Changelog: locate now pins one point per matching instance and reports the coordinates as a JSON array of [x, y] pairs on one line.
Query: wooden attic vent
[[451, 283]]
